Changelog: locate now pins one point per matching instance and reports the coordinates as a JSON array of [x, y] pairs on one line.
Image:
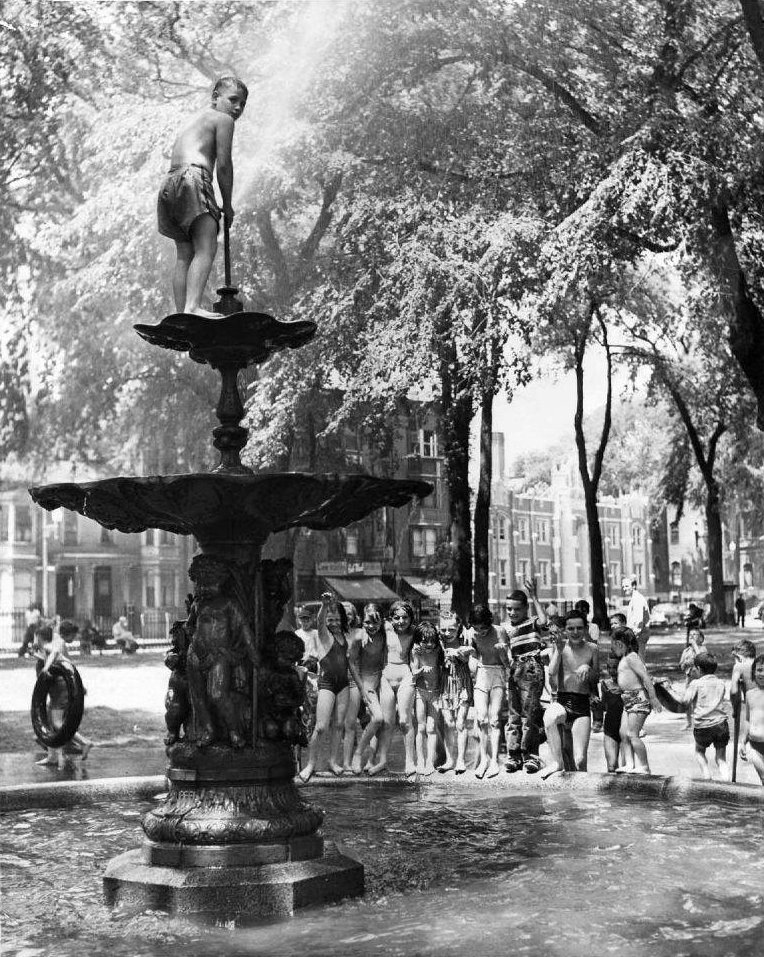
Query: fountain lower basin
[[449, 870]]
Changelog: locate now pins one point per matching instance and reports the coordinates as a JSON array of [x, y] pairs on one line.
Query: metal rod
[[226, 250]]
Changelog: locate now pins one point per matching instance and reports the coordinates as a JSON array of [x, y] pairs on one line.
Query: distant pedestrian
[[740, 611], [33, 619], [123, 637], [693, 619], [637, 614]]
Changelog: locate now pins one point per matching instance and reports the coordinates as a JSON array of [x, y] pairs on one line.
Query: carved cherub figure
[[222, 645], [284, 690], [176, 702]]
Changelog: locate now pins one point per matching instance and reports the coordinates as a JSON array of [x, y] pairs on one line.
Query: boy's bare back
[[204, 140]]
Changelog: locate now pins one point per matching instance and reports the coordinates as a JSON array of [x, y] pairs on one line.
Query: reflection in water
[[447, 873]]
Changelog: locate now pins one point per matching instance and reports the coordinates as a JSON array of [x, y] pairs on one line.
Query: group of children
[[426, 680], [534, 677]]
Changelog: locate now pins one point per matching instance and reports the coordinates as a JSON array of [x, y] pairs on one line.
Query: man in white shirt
[[637, 614]]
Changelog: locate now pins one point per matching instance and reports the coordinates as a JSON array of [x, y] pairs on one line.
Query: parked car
[[667, 615]]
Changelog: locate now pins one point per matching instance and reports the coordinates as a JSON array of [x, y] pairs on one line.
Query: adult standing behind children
[[187, 211], [637, 614]]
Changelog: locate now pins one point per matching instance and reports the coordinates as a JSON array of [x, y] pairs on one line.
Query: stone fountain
[[233, 839]]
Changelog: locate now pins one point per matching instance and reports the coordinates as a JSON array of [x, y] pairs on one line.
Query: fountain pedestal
[[232, 840]]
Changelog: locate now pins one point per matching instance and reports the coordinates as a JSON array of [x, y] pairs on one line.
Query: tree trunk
[[746, 328], [591, 481], [715, 551], [483, 499], [457, 415]]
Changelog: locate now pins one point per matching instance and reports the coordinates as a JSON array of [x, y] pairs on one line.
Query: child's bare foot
[[202, 312], [420, 768], [461, 767], [493, 770], [48, 759], [375, 769], [357, 766], [306, 774], [410, 770], [481, 768], [429, 769], [336, 769], [549, 770], [444, 768], [623, 769], [86, 749]]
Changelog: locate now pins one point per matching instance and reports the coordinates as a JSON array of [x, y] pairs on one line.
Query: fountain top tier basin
[[241, 339], [217, 507]]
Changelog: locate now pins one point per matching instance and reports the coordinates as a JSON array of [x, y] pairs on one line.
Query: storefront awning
[[361, 589], [431, 590]]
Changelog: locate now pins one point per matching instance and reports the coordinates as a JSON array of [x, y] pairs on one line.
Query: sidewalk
[[130, 683]]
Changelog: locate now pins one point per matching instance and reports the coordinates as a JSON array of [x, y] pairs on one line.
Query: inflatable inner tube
[[668, 698], [58, 703]]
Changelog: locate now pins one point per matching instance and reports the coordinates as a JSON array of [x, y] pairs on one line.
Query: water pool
[[447, 872]]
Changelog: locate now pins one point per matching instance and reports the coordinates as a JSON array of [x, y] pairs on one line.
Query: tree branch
[[755, 25], [311, 244], [275, 254], [607, 421]]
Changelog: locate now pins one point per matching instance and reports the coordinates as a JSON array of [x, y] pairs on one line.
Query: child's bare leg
[[324, 710], [581, 732], [184, 253], [636, 721], [384, 736], [421, 735], [700, 757], [497, 696], [406, 722], [449, 740], [554, 719], [721, 763], [204, 236], [611, 752], [340, 710], [461, 739], [627, 752], [481, 719], [351, 719], [432, 737]]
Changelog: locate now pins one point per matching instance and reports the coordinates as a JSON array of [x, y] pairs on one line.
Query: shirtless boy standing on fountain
[[186, 208]]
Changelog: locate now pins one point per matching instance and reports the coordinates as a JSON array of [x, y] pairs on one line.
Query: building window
[[106, 538], [544, 572], [151, 600], [423, 442], [748, 575], [351, 541], [433, 499], [164, 537], [522, 569], [502, 529], [424, 541], [503, 572], [614, 539], [676, 574], [615, 574], [149, 536], [543, 528], [4, 530], [636, 535], [674, 533], [522, 525], [639, 573], [23, 523]]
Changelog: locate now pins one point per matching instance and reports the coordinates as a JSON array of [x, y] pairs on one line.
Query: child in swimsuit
[[486, 647], [333, 682], [428, 670], [637, 692], [370, 657], [573, 673], [612, 703], [753, 725], [397, 678], [707, 694], [186, 208], [355, 701], [457, 697]]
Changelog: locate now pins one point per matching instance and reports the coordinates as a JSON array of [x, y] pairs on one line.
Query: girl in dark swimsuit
[[370, 657], [333, 682]]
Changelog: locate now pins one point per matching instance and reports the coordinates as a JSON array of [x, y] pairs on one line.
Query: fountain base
[[237, 892]]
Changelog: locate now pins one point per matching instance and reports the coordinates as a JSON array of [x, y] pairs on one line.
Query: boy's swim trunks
[[186, 194], [636, 702]]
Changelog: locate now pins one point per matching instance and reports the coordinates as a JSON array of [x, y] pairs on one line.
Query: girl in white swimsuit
[[397, 688]]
